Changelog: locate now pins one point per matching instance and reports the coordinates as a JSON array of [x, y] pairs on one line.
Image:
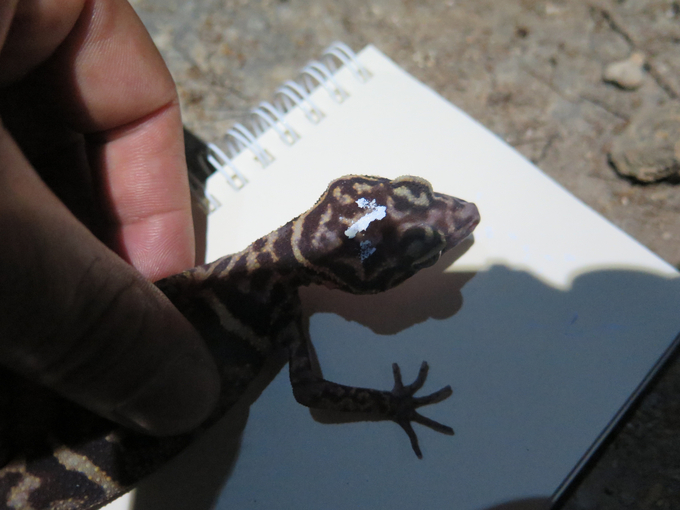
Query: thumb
[[78, 319]]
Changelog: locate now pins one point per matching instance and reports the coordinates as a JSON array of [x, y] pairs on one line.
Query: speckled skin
[[364, 235]]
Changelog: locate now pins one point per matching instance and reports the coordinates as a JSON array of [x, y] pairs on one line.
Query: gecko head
[[368, 234]]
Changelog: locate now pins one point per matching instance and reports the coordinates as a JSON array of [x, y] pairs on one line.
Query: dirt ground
[[532, 72]]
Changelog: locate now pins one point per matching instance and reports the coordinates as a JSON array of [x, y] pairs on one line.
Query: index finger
[[116, 89]]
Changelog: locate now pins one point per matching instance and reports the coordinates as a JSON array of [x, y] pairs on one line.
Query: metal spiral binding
[[324, 77], [346, 56], [299, 97], [292, 94], [273, 118]]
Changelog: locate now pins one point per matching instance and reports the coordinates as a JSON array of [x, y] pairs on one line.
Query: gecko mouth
[[471, 213], [467, 230], [428, 261]]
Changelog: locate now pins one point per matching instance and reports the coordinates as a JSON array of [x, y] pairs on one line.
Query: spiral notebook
[[548, 325]]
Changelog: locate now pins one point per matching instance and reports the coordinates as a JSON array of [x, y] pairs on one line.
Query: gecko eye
[[425, 246]]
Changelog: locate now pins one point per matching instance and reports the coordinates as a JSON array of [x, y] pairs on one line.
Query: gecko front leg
[[398, 405]]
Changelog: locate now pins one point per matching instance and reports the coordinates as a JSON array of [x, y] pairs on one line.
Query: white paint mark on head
[[375, 212], [367, 249]]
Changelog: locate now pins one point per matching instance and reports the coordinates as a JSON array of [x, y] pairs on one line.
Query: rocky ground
[[587, 90]]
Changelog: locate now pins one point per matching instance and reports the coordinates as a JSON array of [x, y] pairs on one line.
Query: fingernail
[[176, 401]]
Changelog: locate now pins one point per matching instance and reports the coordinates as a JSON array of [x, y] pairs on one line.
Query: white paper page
[[545, 326]]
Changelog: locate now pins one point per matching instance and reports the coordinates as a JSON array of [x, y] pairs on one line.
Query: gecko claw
[[406, 405]]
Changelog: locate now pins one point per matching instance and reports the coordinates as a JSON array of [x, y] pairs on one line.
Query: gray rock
[[627, 74], [648, 150]]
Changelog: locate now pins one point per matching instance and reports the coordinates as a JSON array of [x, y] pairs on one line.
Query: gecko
[[364, 235]]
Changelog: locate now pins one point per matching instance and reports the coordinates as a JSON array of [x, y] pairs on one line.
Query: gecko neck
[[269, 260]]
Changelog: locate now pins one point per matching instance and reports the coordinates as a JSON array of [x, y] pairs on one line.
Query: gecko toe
[[435, 397], [406, 425], [434, 425], [405, 405]]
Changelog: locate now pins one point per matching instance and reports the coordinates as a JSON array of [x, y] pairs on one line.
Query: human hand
[[94, 203]]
